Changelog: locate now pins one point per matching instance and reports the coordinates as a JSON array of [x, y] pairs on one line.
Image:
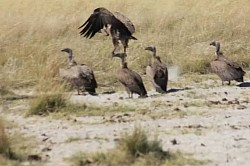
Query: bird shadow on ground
[[108, 92], [173, 90], [244, 84]]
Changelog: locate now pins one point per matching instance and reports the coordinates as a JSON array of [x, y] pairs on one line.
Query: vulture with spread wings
[[116, 25]]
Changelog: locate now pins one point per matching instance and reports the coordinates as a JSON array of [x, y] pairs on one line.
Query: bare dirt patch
[[210, 122]]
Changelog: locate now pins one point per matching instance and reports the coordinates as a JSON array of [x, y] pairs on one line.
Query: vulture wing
[[132, 81], [232, 64], [128, 24], [101, 17], [88, 75]]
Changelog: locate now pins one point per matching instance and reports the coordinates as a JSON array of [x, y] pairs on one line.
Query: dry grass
[[58, 104], [134, 149], [14, 147], [95, 110], [5, 149], [46, 104], [34, 32]]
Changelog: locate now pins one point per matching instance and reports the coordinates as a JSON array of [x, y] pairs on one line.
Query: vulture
[[157, 72], [116, 25], [225, 68], [131, 80], [80, 76]]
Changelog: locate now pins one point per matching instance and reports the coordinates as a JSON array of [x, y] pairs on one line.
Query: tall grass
[[32, 33]]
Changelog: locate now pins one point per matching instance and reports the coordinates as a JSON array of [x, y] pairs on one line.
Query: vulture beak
[[213, 43], [63, 50], [148, 48], [115, 55]]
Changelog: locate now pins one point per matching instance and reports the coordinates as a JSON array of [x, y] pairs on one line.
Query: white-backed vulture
[[225, 68], [116, 25], [157, 72], [131, 80], [80, 76]]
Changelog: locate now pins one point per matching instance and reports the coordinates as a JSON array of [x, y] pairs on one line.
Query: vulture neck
[[217, 47], [70, 56], [124, 64], [71, 59], [219, 54], [154, 53]]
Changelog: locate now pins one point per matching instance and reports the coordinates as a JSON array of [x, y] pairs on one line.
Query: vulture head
[[215, 44], [151, 48], [70, 56], [68, 50]]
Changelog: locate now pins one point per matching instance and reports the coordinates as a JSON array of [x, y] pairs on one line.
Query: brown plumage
[[157, 72], [225, 68], [79, 76], [131, 80], [116, 25]]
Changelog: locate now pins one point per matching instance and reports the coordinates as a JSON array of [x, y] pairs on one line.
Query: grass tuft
[[4, 90], [133, 149], [5, 149], [46, 104], [137, 144], [15, 147]]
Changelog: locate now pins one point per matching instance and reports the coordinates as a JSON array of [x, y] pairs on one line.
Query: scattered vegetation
[[4, 90], [5, 149], [73, 139], [15, 148], [134, 149], [96, 110], [45, 104], [197, 103], [60, 106]]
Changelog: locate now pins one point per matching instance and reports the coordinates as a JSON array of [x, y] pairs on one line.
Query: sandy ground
[[210, 122]]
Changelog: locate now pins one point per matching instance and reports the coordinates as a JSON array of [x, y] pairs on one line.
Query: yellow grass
[[4, 142], [32, 33], [14, 147]]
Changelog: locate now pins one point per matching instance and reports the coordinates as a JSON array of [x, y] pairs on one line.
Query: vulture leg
[[104, 31], [158, 89], [130, 95], [125, 44], [78, 91], [116, 44], [222, 83], [229, 82]]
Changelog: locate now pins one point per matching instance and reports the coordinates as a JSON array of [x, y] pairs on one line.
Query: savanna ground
[[199, 120]]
